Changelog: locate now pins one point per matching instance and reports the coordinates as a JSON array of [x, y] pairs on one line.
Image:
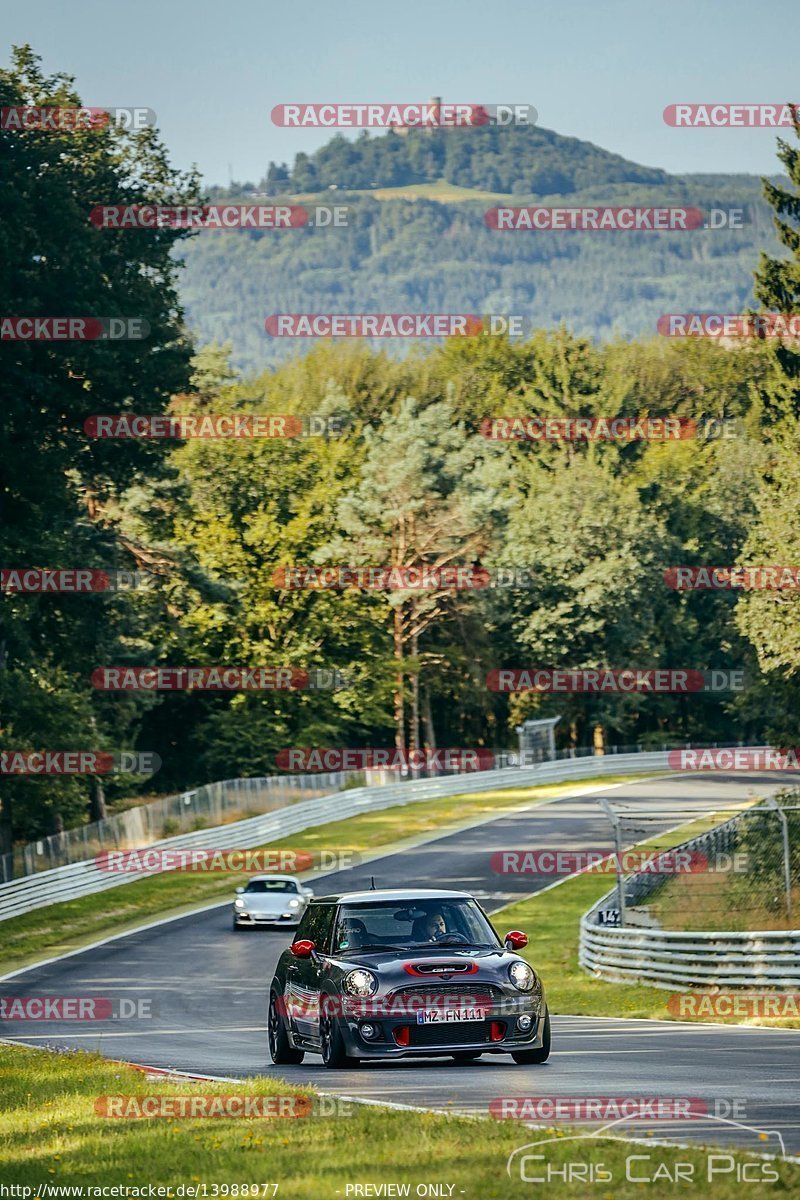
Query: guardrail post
[[614, 819]]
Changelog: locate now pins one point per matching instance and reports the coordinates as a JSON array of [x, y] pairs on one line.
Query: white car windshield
[[271, 885]]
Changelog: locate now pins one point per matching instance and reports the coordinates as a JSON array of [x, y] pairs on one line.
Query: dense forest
[[405, 477], [430, 250]]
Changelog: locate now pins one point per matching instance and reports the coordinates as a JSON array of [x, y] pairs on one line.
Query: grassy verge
[[725, 901], [52, 1136], [553, 919], [74, 923]]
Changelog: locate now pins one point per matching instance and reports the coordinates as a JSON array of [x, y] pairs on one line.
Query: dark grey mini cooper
[[397, 974]]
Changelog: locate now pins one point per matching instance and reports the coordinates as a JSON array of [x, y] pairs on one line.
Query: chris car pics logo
[[582, 1163]]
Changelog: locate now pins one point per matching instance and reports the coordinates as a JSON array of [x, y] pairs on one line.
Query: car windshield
[[271, 885], [393, 925]]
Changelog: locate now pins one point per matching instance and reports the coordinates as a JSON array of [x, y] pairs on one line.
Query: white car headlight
[[238, 902], [521, 976], [360, 983], [293, 904]]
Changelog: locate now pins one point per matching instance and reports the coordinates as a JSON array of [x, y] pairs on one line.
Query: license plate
[[444, 1016]]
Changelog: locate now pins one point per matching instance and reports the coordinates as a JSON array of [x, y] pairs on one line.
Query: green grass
[[441, 190], [62, 927], [552, 921], [51, 1135], [725, 901]]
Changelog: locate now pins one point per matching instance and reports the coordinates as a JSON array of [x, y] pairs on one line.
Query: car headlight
[[293, 904], [522, 977], [238, 902], [360, 983]]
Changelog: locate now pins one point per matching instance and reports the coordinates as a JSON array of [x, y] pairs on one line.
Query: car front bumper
[[498, 1034], [265, 921]]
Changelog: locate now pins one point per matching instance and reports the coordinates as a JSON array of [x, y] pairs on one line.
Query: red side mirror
[[303, 948], [516, 940]]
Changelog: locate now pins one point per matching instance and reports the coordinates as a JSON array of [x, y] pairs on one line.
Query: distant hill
[[530, 160], [417, 240]]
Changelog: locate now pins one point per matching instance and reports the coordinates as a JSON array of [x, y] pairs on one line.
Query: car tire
[[237, 928], [466, 1055], [280, 1049], [334, 1055], [539, 1055]]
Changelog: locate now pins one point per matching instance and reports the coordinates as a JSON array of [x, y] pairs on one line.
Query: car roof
[[379, 895]]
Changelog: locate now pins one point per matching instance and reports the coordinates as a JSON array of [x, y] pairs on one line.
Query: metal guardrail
[[85, 878], [223, 802], [668, 958]]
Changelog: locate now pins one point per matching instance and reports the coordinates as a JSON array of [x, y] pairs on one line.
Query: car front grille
[[453, 991], [441, 995], [450, 1033]]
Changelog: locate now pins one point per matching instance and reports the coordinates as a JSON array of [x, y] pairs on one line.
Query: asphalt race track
[[206, 990]]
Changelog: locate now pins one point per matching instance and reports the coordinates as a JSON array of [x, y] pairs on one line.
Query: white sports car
[[271, 901]]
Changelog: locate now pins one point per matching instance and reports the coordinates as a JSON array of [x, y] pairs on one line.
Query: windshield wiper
[[445, 941]]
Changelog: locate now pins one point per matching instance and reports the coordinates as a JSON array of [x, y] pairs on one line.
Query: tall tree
[[427, 497], [770, 619], [55, 481]]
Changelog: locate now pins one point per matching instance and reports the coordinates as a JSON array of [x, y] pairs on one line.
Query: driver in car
[[433, 927]]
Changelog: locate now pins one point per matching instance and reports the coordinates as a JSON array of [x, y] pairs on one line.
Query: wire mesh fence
[[200, 808], [741, 874]]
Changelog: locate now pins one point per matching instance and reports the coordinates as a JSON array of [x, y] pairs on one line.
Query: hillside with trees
[[414, 252]]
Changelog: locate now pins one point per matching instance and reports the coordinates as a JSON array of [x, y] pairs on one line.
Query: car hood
[[267, 903], [447, 964]]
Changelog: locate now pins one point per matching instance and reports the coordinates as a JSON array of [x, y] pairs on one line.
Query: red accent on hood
[[412, 969]]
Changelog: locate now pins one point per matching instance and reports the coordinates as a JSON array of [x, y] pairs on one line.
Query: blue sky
[[601, 70]]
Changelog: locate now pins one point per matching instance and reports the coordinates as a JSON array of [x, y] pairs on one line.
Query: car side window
[[315, 925]]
